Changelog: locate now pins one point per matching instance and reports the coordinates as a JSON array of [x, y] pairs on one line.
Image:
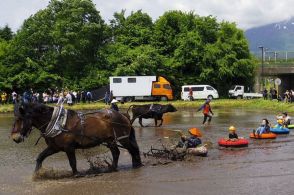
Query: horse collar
[[57, 122]]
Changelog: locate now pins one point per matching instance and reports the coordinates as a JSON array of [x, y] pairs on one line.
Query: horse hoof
[[77, 175], [137, 165]]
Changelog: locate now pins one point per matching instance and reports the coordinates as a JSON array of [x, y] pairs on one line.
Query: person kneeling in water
[[190, 142], [264, 128]]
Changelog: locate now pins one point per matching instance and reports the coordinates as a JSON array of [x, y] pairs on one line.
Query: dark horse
[[154, 111], [81, 131]]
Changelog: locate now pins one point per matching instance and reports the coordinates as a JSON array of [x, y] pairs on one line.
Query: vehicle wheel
[[163, 98], [128, 99], [239, 97], [210, 97]]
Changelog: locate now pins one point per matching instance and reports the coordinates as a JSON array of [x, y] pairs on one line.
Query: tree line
[[68, 44]]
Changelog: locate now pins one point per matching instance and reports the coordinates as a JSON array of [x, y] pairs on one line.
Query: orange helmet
[[195, 131]]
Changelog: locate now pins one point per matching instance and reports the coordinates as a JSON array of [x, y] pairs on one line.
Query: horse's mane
[[37, 108]]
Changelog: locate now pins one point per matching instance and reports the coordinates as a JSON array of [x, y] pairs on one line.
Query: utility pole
[[262, 62]]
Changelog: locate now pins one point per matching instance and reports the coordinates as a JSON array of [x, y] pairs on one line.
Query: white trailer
[[237, 91], [129, 88]]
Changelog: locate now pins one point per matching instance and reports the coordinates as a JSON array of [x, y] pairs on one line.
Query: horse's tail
[[130, 108], [134, 149]]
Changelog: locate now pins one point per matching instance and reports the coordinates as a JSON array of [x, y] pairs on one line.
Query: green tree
[[6, 33], [61, 41]]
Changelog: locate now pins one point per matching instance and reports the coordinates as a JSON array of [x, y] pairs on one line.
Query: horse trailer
[[130, 88]]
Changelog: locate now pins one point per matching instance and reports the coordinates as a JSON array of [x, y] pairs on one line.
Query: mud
[[265, 167]]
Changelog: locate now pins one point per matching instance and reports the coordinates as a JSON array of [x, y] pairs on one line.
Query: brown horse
[[80, 131]]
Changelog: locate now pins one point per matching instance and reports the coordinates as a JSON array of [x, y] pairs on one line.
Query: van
[[199, 92]]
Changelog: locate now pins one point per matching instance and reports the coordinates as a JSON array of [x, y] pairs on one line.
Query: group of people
[[48, 96], [272, 94], [283, 120], [72, 97], [194, 140]]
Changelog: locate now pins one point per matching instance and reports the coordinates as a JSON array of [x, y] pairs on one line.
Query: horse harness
[[58, 122]]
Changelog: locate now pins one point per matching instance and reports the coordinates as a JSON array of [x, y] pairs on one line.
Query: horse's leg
[[47, 152], [71, 155], [133, 148], [140, 121], [160, 122], [115, 154]]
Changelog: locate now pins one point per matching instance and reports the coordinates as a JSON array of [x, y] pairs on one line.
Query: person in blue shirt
[[264, 128], [106, 98]]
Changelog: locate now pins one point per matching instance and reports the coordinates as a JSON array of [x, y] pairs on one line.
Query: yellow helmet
[[195, 131], [232, 128], [280, 121]]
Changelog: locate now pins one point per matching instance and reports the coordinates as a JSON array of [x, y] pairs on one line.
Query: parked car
[[199, 92]]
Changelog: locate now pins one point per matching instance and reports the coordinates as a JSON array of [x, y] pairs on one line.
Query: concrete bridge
[[284, 71]]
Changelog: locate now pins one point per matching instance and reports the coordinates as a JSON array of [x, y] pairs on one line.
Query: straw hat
[[195, 131]]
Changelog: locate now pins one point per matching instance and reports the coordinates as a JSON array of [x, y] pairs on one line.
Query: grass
[[221, 103]]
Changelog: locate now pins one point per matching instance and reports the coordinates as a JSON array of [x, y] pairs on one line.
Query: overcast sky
[[246, 13]]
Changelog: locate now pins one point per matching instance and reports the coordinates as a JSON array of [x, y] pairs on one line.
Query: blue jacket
[[193, 142], [263, 129]]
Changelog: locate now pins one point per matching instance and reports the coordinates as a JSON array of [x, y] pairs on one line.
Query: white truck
[[238, 92]]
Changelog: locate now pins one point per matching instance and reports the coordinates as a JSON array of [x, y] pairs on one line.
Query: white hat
[[114, 101]]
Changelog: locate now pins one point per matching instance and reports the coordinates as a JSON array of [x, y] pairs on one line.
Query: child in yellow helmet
[[232, 133]]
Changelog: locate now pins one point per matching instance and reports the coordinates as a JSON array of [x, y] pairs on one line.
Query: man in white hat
[[113, 105]]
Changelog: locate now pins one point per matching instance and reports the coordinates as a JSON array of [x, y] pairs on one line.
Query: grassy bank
[[222, 103]]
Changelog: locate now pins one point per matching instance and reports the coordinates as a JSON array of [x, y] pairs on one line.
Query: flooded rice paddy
[[265, 167]]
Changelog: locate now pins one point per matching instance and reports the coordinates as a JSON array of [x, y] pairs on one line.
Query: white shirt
[[68, 98]]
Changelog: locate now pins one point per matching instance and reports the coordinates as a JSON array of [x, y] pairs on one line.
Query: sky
[[245, 13]]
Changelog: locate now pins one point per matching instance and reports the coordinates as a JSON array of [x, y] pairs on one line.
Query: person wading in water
[[206, 110]]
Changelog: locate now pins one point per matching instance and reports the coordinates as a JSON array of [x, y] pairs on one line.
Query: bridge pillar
[[257, 85]]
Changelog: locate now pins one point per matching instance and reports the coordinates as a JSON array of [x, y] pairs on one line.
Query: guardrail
[[276, 58]]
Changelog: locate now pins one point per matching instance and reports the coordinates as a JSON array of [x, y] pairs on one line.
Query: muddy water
[[265, 167]]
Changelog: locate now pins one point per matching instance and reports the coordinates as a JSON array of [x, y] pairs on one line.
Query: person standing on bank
[[106, 98], [191, 94], [111, 96], [68, 98], [207, 112]]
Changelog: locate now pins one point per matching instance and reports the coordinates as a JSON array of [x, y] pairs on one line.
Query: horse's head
[[22, 125], [169, 108]]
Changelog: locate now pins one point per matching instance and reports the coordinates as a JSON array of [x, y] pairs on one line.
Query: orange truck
[[130, 88]]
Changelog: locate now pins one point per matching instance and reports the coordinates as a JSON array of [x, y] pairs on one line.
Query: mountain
[[276, 36]]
